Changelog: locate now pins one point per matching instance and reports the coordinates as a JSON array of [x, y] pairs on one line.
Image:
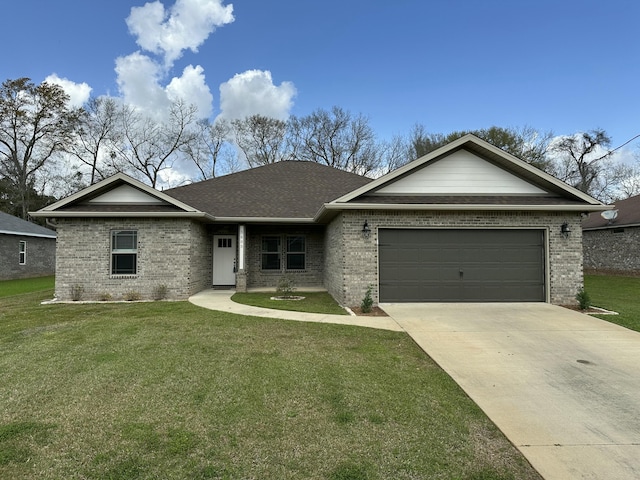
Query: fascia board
[[263, 220], [63, 214], [609, 227], [25, 234], [459, 207]]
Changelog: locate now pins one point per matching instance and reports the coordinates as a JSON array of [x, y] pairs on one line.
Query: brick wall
[[360, 257], [168, 251], [334, 261], [614, 250], [40, 259], [311, 276]]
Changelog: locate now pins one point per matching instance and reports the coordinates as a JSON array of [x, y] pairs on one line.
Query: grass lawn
[[620, 294], [16, 287], [169, 390], [314, 302]]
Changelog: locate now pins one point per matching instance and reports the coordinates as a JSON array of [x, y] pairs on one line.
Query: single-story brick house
[[611, 242], [26, 249], [467, 222]]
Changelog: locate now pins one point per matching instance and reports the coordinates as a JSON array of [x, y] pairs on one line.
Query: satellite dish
[[609, 214]]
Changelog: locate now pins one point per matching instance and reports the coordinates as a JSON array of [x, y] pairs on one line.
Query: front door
[[224, 260]]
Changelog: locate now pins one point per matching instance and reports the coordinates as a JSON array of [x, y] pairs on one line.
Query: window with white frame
[[22, 249], [124, 252]]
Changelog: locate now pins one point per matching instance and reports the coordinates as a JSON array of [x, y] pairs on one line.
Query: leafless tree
[[211, 146], [36, 123], [261, 139], [148, 146]]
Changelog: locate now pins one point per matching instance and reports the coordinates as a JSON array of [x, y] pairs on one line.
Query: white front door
[[224, 260]]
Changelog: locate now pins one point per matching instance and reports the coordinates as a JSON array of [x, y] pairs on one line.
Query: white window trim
[[22, 252], [113, 251]]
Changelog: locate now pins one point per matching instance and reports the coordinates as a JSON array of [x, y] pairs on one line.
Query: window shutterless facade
[[294, 253], [22, 252], [124, 252]]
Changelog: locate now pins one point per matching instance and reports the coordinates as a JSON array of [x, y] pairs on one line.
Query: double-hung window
[[22, 250], [296, 253], [124, 252], [278, 255], [271, 253]]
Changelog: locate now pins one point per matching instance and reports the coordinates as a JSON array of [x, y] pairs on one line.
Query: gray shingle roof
[[16, 226], [290, 189], [628, 214]]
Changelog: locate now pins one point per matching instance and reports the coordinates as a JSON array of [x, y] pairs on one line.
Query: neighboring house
[[612, 244], [466, 223], [26, 249]]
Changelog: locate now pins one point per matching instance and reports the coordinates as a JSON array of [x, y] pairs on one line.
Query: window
[[124, 252], [296, 253], [23, 252], [224, 243], [270, 253]]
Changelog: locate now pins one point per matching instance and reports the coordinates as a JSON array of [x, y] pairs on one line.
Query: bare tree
[[337, 139], [36, 123], [580, 160], [149, 147], [261, 139], [95, 137], [211, 146]]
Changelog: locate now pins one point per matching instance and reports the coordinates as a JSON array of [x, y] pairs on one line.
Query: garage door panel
[[461, 265]]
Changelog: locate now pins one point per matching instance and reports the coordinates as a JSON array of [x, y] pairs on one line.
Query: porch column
[[241, 274]]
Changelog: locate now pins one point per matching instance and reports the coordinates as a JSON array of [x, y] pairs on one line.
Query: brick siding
[[612, 250], [40, 259], [359, 256]]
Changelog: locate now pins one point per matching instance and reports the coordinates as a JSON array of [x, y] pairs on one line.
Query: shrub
[[583, 298], [105, 297], [132, 296], [367, 301], [285, 287], [160, 292], [76, 292]]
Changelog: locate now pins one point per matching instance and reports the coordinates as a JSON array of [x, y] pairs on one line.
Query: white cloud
[[192, 88], [139, 82], [253, 92], [186, 25], [78, 92]]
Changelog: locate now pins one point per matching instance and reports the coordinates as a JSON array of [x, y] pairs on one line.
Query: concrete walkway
[[221, 300], [563, 387]]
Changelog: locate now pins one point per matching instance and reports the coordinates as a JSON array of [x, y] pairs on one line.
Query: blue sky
[[562, 65]]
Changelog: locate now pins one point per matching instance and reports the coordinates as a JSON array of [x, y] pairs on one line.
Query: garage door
[[461, 265]]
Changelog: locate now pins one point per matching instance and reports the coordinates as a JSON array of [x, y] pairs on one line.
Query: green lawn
[[25, 285], [620, 294], [313, 302], [169, 390]]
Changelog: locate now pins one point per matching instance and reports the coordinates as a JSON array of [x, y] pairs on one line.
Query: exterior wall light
[[565, 230], [366, 231]]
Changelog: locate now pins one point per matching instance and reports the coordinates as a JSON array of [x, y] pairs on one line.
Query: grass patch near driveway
[[170, 390], [620, 294], [25, 285], [313, 302]]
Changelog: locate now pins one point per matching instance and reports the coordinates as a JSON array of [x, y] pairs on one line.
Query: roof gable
[[517, 177], [460, 173], [119, 195]]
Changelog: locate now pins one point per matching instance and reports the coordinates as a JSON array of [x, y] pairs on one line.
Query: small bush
[[76, 292], [583, 298], [285, 287], [132, 296], [367, 301], [105, 297], [160, 292]]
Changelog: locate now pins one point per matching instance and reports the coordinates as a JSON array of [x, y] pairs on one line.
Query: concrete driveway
[[563, 387]]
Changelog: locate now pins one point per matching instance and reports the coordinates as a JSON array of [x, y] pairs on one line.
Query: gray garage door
[[461, 265]]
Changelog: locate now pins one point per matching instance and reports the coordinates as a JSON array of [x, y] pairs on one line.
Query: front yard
[[170, 390]]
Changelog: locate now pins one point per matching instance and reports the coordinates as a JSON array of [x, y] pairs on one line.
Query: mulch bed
[[375, 312]]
